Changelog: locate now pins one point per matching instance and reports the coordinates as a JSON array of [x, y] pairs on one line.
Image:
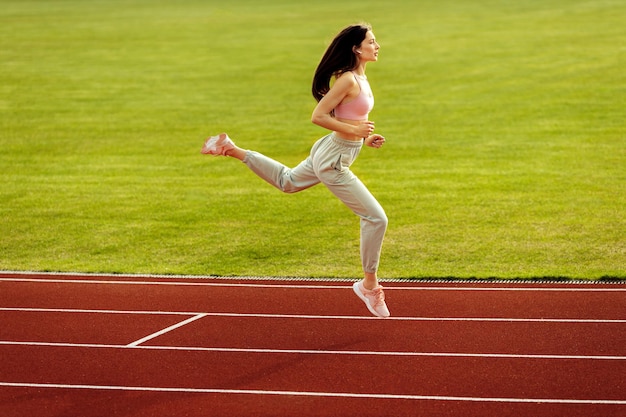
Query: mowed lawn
[[505, 127]]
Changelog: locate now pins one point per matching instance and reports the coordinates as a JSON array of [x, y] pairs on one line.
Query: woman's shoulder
[[345, 80], [347, 76]]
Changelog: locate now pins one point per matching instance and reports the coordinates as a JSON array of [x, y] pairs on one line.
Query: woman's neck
[[360, 70]]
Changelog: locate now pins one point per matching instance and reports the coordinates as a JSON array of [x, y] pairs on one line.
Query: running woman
[[342, 108]]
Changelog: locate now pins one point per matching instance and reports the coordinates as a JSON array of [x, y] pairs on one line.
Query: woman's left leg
[[373, 226], [358, 198], [331, 163]]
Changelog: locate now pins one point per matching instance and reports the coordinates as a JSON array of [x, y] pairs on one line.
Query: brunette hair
[[338, 58]]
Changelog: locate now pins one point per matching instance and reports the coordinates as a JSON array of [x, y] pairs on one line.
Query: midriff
[[345, 136]]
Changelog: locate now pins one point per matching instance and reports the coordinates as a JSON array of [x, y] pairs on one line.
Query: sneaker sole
[[208, 144], [212, 142]]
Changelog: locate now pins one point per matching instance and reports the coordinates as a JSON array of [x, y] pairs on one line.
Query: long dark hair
[[338, 58]]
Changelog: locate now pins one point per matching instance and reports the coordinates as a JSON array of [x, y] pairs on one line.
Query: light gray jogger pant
[[329, 163]]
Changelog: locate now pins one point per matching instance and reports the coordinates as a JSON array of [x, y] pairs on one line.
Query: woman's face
[[368, 48]]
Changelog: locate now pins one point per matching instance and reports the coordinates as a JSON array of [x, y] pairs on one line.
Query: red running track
[[92, 345]]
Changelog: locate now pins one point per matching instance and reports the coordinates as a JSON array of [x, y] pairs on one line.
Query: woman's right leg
[[288, 180], [280, 176]]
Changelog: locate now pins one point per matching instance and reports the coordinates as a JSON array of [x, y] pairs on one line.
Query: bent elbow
[[320, 119]]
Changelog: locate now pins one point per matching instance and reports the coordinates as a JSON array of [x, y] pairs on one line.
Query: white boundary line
[[317, 394], [312, 286], [166, 330], [452, 280], [80, 310], [313, 351], [311, 317], [171, 283]]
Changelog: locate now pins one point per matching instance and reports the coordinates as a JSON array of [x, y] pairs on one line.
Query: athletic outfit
[[329, 163]]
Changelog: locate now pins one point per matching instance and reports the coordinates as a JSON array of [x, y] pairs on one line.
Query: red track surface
[[152, 346]]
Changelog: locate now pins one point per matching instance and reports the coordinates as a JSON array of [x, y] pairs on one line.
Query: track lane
[[601, 301], [318, 333], [478, 378], [88, 403], [413, 376], [81, 328], [535, 338]]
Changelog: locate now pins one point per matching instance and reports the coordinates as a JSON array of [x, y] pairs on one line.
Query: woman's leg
[[331, 160], [358, 198], [328, 163], [237, 153], [331, 164], [373, 226], [280, 176], [288, 180]]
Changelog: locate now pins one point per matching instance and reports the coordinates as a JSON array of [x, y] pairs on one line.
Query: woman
[[343, 109]]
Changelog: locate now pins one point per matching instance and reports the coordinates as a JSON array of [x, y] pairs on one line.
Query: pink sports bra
[[359, 108]]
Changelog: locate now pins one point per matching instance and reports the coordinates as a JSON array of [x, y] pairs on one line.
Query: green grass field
[[505, 127]]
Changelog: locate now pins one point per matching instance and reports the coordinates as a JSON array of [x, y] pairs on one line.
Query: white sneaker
[[373, 299], [217, 145]]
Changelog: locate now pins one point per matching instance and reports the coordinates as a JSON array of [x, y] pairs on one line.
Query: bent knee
[[286, 185], [378, 218], [383, 220]]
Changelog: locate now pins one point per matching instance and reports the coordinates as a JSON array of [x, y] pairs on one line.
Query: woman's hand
[[375, 141], [364, 129]]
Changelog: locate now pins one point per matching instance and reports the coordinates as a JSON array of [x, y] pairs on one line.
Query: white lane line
[[316, 317], [315, 352], [316, 286], [317, 394], [166, 330], [171, 283], [98, 311]]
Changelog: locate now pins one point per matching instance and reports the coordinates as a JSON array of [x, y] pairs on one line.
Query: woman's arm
[[342, 89]]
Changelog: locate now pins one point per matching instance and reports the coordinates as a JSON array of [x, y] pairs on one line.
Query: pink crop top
[[359, 108]]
